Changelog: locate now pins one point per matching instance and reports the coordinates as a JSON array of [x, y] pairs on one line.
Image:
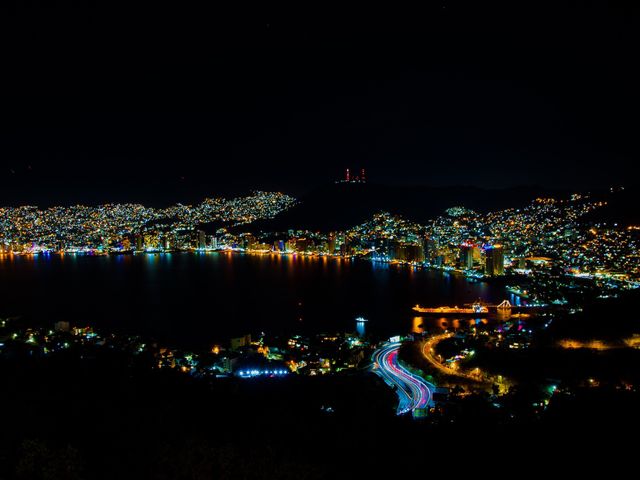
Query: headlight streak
[[413, 391]]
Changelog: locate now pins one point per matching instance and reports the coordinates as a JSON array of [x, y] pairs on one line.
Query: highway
[[413, 391], [428, 350], [483, 379]]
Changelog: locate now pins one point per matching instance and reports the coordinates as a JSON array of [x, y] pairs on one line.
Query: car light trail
[[413, 391]]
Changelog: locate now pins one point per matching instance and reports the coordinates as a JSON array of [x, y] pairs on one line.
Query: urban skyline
[[312, 242], [548, 236]]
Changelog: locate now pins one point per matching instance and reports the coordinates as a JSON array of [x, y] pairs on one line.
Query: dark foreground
[[111, 417]]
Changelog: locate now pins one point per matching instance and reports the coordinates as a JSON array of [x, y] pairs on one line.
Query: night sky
[[151, 104]]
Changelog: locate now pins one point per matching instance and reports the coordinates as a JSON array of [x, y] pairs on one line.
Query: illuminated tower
[[494, 260], [362, 177], [346, 178], [466, 256]]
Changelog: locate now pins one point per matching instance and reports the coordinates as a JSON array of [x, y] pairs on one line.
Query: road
[[413, 391], [428, 350]]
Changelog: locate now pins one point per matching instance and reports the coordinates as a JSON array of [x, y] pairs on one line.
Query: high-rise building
[[345, 247], [494, 261], [303, 244], [238, 342], [469, 256], [331, 244], [429, 248], [406, 252], [466, 256], [62, 326]]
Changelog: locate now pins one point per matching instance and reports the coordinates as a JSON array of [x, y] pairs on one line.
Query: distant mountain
[[343, 205]]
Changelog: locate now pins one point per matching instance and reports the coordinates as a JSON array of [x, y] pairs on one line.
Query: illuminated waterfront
[[200, 298]]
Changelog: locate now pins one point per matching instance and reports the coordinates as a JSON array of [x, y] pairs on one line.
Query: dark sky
[[102, 101]]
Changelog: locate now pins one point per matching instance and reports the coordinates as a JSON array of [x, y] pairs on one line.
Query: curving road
[[480, 379], [413, 391], [428, 350]]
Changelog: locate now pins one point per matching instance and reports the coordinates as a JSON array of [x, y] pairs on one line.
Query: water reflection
[[448, 323], [189, 298], [360, 326], [515, 299], [417, 325]]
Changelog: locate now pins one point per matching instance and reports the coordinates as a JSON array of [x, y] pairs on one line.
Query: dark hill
[[621, 208], [604, 319], [340, 206]]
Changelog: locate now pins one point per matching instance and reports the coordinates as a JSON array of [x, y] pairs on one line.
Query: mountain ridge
[[343, 205]]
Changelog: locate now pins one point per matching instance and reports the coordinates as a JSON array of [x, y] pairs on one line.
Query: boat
[[475, 309]]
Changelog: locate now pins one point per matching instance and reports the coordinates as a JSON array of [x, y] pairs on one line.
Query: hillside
[[339, 206], [621, 208]]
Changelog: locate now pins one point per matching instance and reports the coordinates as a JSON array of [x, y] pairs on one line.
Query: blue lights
[[360, 326], [259, 373]]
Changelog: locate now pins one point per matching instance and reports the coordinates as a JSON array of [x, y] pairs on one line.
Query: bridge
[[504, 304]]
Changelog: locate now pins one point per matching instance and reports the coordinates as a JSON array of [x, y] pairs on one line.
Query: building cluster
[[547, 233], [318, 354], [540, 234], [122, 227], [546, 239], [242, 357], [548, 244]]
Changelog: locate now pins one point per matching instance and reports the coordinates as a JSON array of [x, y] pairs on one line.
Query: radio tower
[[362, 177], [347, 176]]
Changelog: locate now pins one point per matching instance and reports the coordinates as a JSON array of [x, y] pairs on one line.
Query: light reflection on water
[[201, 298], [423, 323], [361, 329], [417, 325]]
